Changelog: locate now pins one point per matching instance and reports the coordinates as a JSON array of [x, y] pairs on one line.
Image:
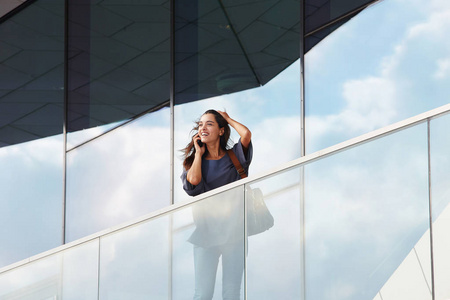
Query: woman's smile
[[208, 128]]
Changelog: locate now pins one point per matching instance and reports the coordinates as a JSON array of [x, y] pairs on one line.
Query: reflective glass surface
[[228, 46], [440, 190], [208, 248], [30, 198], [364, 75], [135, 262], [71, 274], [79, 272], [119, 176], [118, 60], [366, 208], [274, 256], [76, 138], [31, 123], [322, 13], [31, 72], [366, 236], [42, 279]]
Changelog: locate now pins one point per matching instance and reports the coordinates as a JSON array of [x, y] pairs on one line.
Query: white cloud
[[46, 150], [397, 90], [435, 26], [443, 68], [370, 103], [120, 176], [275, 141]]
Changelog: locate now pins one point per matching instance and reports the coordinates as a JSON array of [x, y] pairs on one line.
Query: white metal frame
[[390, 129]]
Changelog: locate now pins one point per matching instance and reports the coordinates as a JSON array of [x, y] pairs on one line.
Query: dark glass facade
[[91, 119], [97, 97]]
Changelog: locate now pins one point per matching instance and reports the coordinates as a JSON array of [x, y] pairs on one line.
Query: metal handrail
[[376, 134]]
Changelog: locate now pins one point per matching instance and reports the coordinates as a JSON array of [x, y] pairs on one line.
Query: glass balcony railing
[[350, 222]]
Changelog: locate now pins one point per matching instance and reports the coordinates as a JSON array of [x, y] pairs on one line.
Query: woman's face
[[208, 129]]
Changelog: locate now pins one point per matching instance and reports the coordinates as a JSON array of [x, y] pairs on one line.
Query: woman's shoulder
[[243, 155]]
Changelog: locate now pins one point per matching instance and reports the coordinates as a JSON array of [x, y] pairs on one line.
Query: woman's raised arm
[[242, 130]]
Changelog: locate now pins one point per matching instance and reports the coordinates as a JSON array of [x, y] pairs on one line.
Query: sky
[[400, 73], [390, 63]]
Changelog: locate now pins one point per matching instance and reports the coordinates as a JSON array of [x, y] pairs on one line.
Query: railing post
[[302, 148], [430, 209]]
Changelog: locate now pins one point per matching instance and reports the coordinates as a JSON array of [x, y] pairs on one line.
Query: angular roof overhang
[[119, 56]]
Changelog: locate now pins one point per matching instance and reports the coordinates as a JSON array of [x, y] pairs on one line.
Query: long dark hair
[[189, 150]]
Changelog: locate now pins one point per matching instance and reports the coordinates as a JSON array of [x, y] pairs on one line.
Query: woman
[[219, 222]]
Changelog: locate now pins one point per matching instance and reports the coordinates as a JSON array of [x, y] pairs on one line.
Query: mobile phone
[[200, 143]]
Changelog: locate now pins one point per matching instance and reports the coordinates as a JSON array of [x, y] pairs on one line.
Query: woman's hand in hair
[[241, 129], [225, 115]]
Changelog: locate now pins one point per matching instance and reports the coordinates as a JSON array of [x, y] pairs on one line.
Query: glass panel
[[71, 274], [31, 73], [80, 272], [318, 15], [135, 262], [76, 138], [366, 209], [41, 279], [31, 121], [274, 255], [363, 77], [119, 60], [30, 218], [208, 248], [119, 176], [440, 187], [225, 47]]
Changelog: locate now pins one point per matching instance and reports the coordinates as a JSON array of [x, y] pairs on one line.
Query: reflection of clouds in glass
[[136, 262], [43, 273], [340, 289], [77, 137], [46, 151], [365, 210], [274, 255], [122, 175], [370, 104], [443, 68], [402, 79], [31, 198], [80, 271], [276, 141]]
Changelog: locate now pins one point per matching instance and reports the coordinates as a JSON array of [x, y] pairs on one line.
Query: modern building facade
[[348, 105]]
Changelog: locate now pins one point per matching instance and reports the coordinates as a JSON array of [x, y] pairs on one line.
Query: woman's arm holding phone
[[194, 174], [242, 130]]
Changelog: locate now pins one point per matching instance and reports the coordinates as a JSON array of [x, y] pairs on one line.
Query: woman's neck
[[214, 152]]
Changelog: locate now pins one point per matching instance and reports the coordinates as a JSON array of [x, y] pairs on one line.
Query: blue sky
[[390, 63]]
